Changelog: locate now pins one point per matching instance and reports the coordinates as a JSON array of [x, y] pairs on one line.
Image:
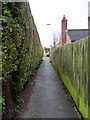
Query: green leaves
[[22, 50], [2, 103]]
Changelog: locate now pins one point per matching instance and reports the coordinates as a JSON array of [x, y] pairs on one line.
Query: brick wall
[[63, 29]]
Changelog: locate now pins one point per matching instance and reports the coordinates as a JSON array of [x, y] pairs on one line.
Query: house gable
[[77, 34]]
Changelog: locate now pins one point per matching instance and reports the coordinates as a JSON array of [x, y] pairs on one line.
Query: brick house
[[46, 51], [72, 35]]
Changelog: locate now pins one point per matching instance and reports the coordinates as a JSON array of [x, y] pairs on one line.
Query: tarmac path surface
[[48, 99]]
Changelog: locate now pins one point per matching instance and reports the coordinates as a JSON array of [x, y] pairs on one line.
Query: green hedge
[[72, 63], [21, 47]]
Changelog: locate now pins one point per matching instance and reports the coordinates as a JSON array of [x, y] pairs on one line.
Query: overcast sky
[[51, 12]]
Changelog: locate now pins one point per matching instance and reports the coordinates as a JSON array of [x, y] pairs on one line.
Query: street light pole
[[50, 42], [50, 33]]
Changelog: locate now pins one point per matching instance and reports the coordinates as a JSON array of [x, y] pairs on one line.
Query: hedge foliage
[[21, 47]]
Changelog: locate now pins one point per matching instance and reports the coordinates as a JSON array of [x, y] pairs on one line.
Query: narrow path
[[47, 98]]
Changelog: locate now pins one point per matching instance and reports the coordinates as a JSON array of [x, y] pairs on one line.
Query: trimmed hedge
[[72, 63], [21, 47]]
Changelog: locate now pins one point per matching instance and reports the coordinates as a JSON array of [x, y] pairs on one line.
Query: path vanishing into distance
[[47, 98]]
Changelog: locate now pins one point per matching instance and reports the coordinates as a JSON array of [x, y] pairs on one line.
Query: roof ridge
[[76, 29]]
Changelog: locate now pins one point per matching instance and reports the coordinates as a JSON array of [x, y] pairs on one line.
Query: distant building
[[72, 35], [46, 51]]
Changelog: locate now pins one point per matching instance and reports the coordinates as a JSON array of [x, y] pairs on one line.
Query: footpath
[[47, 99]]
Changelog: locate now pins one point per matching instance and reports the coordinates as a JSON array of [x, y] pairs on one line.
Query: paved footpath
[[48, 99]]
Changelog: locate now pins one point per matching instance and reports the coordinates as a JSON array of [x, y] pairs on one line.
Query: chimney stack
[[63, 29]]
